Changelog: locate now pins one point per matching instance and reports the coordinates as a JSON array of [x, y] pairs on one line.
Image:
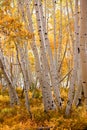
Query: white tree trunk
[[21, 60], [75, 63], [83, 45], [12, 92], [42, 74], [78, 92], [45, 41]]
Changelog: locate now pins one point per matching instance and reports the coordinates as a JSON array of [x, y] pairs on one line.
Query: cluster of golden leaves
[[11, 28]]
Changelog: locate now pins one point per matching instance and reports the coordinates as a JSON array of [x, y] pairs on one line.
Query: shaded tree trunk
[[83, 45]]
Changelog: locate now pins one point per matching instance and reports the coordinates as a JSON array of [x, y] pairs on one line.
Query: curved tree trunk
[[12, 92]]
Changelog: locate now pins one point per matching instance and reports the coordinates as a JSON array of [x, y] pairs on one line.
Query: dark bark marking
[[78, 50]]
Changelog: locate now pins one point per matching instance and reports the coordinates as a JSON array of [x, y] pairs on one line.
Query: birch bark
[[42, 74], [83, 45], [12, 92], [45, 42], [21, 60], [75, 62], [78, 92]]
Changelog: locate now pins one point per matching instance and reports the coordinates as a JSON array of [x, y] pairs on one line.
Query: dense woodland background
[[43, 64]]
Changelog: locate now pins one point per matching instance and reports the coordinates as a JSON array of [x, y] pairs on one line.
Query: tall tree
[[83, 45]]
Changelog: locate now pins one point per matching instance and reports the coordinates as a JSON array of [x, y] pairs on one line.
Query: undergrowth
[[17, 117]]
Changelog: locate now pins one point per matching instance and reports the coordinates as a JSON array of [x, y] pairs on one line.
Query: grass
[[17, 118]]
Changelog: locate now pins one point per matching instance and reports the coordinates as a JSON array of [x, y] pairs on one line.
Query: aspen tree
[[45, 65], [75, 63], [12, 92], [60, 37], [54, 31], [42, 74], [69, 24], [78, 92], [83, 46], [28, 72], [45, 41], [21, 60], [59, 45], [53, 72]]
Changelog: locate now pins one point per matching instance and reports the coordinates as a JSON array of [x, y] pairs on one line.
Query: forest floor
[[17, 117]]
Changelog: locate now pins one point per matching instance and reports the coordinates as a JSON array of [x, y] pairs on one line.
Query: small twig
[[65, 76], [63, 58]]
